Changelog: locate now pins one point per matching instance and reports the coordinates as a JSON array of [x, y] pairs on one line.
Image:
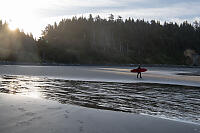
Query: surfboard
[[138, 70]]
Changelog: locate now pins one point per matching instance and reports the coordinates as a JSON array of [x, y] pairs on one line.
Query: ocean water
[[176, 102]]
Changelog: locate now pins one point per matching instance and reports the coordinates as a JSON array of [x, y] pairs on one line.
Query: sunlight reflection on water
[[168, 101]]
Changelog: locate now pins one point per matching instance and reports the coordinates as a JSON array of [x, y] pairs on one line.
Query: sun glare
[[33, 95], [21, 14], [13, 26]]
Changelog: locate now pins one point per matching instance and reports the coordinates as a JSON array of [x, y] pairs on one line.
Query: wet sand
[[164, 75], [175, 102], [182, 76], [23, 114], [33, 113]]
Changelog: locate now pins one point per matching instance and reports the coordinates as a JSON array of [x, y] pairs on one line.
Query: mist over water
[[167, 101]]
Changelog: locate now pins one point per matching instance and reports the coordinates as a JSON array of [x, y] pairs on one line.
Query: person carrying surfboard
[[139, 72]]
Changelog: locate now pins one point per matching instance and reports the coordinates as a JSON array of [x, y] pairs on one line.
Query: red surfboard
[[138, 70]]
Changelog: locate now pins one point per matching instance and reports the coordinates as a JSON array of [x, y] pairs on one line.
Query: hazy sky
[[34, 15]]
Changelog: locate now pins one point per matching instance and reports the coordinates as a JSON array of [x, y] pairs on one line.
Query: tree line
[[94, 40], [16, 46]]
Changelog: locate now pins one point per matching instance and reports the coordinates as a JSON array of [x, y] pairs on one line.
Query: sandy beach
[[62, 99], [165, 75], [24, 114]]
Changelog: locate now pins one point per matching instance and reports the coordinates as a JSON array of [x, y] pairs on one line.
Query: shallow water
[[167, 101]]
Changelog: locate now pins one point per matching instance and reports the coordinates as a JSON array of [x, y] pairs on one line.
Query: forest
[[94, 40], [16, 46]]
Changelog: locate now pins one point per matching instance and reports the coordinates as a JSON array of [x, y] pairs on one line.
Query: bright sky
[[34, 15]]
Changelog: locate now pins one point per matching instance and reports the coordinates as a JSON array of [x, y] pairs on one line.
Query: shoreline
[[24, 114], [114, 96], [160, 75]]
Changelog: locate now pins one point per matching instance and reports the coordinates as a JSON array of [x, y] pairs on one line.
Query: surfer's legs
[[139, 73]]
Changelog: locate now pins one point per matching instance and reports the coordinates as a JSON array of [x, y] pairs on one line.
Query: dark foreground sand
[[20, 114]]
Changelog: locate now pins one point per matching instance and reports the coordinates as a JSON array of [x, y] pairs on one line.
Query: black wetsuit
[[139, 73]]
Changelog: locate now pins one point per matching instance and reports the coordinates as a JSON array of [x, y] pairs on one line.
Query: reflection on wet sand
[[168, 101]]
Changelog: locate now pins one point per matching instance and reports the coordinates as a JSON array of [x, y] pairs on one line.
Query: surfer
[[139, 73]]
